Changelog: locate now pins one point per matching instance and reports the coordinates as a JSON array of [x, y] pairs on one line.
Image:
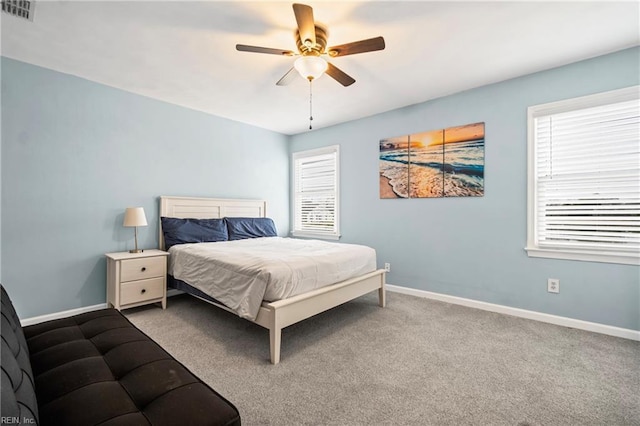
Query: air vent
[[20, 8]]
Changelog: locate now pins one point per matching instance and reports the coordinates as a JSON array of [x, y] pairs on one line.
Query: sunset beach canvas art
[[438, 163]]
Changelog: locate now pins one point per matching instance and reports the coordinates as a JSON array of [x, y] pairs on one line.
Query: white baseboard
[[491, 307], [63, 314], [71, 312], [522, 313]]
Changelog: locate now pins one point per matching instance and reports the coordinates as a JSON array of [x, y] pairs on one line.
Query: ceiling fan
[[311, 41]]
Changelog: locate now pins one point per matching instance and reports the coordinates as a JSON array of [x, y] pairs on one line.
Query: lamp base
[[136, 251]]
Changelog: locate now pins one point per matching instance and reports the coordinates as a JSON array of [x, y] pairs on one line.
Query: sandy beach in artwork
[[386, 190]]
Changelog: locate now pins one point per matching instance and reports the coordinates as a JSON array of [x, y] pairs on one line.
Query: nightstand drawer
[[140, 269], [138, 291]]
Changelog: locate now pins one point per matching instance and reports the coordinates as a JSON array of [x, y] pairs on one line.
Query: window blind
[[316, 192], [587, 178]]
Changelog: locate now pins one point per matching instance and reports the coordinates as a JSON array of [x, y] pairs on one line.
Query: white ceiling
[[184, 53]]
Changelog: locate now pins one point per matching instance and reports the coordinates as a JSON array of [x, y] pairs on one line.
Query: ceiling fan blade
[[339, 75], [288, 77], [306, 26], [362, 46], [269, 50]]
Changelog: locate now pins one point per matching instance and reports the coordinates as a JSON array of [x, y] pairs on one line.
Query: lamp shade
[[310, 67], [134, 216]]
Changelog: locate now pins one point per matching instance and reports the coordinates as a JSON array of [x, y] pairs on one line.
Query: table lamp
[[134, 216]]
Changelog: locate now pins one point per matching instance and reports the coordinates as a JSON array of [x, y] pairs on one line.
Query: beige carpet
[[415, 362]]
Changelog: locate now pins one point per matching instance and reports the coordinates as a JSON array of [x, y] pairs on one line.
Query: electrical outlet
[[553, 285], [387, 267]]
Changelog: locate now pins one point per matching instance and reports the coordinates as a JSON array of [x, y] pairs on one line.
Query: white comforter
[[241, 274]]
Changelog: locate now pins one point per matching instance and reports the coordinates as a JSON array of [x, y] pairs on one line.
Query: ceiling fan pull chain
[[310, 103]]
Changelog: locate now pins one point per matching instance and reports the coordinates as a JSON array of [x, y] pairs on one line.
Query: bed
[[276, 314]]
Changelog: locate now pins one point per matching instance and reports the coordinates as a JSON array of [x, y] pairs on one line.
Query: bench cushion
[[103, 363]]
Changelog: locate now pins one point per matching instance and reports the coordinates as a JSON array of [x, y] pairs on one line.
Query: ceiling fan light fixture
[[310, 67]]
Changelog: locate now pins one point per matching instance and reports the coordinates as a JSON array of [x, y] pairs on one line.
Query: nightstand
[[135, 279]]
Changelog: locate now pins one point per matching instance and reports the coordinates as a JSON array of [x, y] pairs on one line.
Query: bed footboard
[[280, 314]]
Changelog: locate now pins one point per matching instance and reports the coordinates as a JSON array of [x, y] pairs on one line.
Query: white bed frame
[[274, 316]]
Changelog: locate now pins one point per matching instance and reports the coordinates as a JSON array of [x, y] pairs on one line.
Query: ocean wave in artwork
[[394, 167], [455, 171]]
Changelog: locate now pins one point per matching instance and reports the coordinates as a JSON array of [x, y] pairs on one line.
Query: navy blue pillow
[[181, 231], [240, 228]]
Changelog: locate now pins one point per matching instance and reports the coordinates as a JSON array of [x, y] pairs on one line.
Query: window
[[315, 193], [584, 178]]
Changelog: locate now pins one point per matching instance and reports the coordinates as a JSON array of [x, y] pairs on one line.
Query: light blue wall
[[474, 247], [75, 154]]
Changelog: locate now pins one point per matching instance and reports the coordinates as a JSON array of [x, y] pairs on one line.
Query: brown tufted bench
[[98, 368]]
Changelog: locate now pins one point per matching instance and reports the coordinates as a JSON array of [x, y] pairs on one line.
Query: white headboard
[[207, 208]]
